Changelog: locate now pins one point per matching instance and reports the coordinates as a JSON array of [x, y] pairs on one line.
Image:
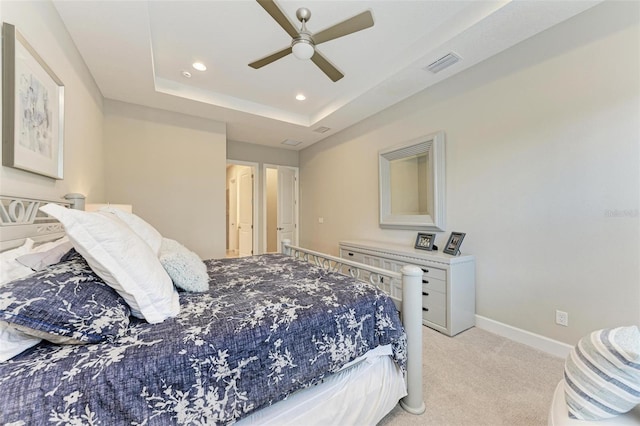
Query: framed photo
[[32, 109], [425, 241], [454, 243]]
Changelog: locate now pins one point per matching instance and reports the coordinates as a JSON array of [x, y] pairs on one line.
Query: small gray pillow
[[186, 269], [40, 261]]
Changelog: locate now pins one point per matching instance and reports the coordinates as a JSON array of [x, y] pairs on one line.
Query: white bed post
[[76, 200], [284, 249], [412, 320]]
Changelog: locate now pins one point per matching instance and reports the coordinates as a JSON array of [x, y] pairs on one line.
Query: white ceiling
[[137, 51]]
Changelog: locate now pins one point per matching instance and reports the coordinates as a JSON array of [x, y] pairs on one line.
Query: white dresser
[[448, 282]]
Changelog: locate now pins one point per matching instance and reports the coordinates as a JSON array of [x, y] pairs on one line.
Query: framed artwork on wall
[[425, 241], [454, 243], [32, 109]]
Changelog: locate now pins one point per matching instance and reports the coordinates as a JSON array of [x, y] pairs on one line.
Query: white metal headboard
[[20, 218]]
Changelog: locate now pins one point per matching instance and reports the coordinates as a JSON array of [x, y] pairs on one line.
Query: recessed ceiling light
[[199, 66], [186, 74], [300, 97]]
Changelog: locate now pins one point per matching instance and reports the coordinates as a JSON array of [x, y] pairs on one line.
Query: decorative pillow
[[148, 233], [65, 303], [602, 374], [122, 259], [10, 268], [40, 260], [13, 342], [186, 269]]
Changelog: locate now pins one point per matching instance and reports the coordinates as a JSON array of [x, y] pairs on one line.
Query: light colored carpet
[[479, 378]]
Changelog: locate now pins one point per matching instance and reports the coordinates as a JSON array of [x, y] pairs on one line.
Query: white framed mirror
[[412, 184]]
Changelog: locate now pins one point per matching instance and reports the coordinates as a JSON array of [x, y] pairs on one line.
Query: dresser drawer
[[434, 299], [428, 272], [434, 284], [352, 255], [434, 306], [435, 315]]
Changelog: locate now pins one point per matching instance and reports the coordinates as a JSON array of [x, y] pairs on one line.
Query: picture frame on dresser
[[424, 241], [32, 109], [453, 244]]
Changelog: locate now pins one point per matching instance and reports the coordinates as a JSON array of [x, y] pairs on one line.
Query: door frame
[[256, 222], [266, 166]]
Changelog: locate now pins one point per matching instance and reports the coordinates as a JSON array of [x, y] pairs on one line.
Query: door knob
[[280, 229]]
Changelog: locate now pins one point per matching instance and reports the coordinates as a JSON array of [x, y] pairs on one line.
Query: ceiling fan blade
[[348, 26], [272, 9], [326, 66], [271, 58]]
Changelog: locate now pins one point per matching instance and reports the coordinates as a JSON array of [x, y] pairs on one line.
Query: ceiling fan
[[303, 43]]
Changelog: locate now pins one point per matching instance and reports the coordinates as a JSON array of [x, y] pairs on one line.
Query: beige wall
[[243, 151], [41, 25], [542, 174], [171, 168]]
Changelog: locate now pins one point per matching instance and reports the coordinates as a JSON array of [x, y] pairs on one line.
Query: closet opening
[[280, 201]]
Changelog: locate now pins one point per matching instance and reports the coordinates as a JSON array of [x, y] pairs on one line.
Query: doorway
[[241, 209], [280, 194]]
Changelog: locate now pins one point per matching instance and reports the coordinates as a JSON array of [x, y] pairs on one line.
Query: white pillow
[[13, 342], [185, 268], [148, 233], [122, 259], [10, 268]]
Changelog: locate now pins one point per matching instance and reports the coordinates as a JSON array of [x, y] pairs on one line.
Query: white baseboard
[[544, 344]]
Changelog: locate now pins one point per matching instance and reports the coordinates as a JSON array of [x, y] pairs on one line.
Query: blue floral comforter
[[268, 326]]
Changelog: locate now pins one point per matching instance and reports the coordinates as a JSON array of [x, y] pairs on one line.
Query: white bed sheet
[[360, 394]]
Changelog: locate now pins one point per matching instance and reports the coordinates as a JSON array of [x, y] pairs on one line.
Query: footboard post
[[412, 321], [284, 247]]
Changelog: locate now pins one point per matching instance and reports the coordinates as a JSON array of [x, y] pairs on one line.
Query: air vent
[[291, 142], [322, 129], [445, 62]]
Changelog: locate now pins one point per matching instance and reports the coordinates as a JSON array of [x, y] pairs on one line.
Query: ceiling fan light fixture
[[302, 49]]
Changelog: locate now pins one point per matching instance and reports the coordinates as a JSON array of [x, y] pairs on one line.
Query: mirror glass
[[412, 184], [409, 185]]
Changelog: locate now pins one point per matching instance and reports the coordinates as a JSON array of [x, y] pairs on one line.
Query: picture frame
[[454, 243], [32, 109], [424, 241]]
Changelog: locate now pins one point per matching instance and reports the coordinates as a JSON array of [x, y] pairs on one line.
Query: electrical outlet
[[562, 318]]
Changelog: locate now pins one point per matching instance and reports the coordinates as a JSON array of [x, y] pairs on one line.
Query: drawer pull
[[425, 309], [350, 254], [425, 281], [425, 293], [426, 271]]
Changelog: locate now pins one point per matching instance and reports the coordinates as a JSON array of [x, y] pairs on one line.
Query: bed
[[289, 338]]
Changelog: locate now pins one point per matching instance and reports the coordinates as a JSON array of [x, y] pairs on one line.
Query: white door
[[233, 216], [245, 211], [287, 206]]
